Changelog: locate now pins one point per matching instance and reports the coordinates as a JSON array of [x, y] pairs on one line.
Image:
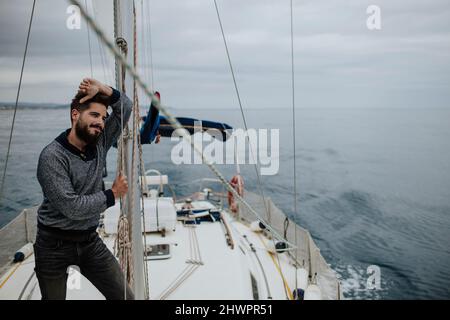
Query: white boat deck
[[212, 269], [201, 266]]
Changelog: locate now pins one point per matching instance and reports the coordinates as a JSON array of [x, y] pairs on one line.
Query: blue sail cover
[[154, 124], [149, 129]]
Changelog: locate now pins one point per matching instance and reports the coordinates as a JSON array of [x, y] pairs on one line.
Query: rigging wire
[[150, 52], [143, 180], [245, 125], [123, 233], [137, 147], [240, 105], [89, 40], [106, 74], [144, 48], [17, 100], [293, 138], [149, 27]]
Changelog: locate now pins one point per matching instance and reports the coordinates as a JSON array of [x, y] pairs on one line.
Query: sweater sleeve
[[113, 123], [53, 176]]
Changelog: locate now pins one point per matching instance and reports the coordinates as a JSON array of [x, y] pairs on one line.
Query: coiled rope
[[124, 250]]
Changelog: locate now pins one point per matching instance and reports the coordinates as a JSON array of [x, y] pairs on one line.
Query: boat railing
[[14, 235], [306, 254]]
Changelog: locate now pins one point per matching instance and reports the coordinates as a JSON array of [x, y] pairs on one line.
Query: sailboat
[[196, 247]]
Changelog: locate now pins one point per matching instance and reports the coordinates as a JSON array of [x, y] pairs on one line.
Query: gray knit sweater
[[71, 180]]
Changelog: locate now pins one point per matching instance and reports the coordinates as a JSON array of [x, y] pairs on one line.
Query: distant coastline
[[54, 106], [31, 105]]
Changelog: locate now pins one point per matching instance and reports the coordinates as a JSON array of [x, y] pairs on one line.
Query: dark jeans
[[53, 255]]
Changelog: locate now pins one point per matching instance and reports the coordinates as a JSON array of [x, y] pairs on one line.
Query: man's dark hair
[[99, 98]]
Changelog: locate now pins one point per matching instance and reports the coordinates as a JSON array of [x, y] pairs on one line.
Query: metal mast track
[[172, 120]]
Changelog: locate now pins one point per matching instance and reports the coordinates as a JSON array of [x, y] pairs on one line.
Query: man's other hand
[[120, 186]]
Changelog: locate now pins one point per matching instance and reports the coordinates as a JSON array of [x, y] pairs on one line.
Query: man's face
[[90, 123]]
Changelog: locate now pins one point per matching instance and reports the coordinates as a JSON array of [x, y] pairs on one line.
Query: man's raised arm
[[119, 102]]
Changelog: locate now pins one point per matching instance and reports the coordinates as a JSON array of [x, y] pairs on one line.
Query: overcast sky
[[339, 62]]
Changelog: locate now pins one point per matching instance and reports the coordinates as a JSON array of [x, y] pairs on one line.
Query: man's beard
[[82, 131]]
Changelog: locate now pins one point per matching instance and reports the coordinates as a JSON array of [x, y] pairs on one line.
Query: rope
[[277, 266], [123, 246], [17, 100], [142, 170], [30, 294], [26, 285], [131, 191], [106, 71], [197, 245], [142, 173], [177, 126], [149, 37]]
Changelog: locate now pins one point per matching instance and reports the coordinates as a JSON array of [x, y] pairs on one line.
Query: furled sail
[[154, 125]]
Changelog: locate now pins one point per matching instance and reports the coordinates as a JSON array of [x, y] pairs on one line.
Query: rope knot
[[122, 44]]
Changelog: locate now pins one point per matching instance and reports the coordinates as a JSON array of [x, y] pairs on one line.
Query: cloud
[[338, 61]]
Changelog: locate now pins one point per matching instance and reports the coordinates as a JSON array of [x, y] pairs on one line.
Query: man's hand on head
[[91, 87]]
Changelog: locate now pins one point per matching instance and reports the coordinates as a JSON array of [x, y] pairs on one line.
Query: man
[[70, 173]]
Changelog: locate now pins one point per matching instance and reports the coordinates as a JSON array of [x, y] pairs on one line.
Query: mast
[[123, 30]]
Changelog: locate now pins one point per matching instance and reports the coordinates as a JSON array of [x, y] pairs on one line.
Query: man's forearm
[[121, 110], [106, 90]]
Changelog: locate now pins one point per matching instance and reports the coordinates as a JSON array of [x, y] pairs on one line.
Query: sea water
[[373, 186]]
